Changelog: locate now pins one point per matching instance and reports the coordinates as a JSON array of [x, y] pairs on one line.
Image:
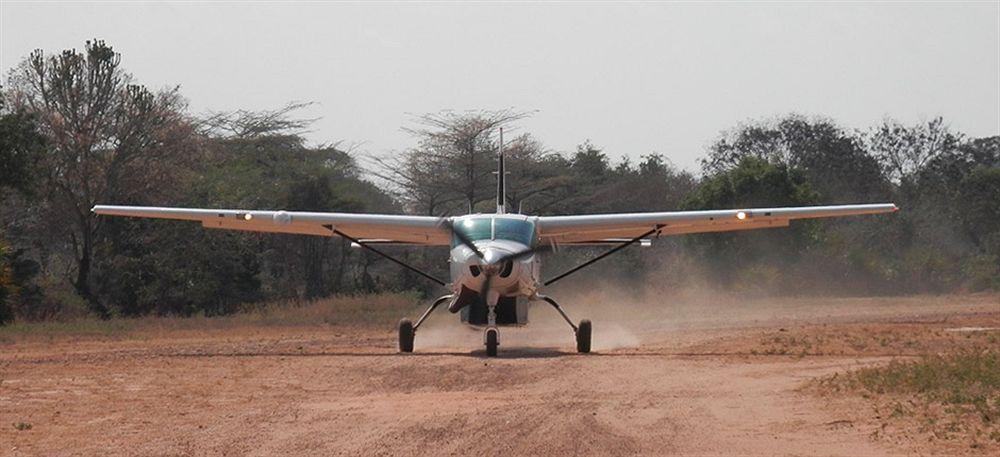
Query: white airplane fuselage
[[495, 236]]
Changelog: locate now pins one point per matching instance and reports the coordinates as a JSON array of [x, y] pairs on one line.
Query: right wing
[[381, 228], [597, 228]]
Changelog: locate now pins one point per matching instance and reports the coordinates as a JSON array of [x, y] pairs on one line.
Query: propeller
[[489, 268], [493, 268]]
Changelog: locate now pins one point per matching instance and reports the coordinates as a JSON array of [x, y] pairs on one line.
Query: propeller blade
[[447, 223], [524, 253], [485, 290]]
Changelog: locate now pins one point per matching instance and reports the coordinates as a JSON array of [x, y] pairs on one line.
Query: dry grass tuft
[[952, 398], [22, 426], [359, 311]]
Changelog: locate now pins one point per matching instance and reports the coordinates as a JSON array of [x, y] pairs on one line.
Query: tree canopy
[[76, 130]]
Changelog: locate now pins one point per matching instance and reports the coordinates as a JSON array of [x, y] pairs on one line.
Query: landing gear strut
[[583, 332], [407, 329]]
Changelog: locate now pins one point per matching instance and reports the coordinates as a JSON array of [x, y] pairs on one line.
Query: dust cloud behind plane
[[634, 78]]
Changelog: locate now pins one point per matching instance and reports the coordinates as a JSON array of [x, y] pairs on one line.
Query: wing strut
[[391, 258], [612, 251]]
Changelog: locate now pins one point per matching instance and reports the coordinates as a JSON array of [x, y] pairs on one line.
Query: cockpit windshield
[[496, 228], [517, 230], [473, 229]]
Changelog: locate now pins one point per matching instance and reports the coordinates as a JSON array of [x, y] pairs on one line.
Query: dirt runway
[[685, 380]]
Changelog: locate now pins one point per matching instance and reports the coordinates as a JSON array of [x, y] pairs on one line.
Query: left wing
[[375, 227], [601, 227]]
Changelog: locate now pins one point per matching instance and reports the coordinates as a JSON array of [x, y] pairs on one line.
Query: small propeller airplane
[[495, 272]]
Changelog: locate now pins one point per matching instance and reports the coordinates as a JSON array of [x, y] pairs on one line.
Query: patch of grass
[[349, 310], [864, 339], [782, 344], [377, 309], [969, 379], [951, 398], [78, 327], [22, 426]]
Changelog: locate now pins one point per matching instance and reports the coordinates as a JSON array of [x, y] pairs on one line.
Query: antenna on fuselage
[[501, 189]]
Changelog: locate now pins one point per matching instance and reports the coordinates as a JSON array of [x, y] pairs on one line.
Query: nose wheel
[[492, 338]]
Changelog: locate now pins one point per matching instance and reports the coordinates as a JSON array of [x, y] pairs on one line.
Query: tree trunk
[[82, 283]]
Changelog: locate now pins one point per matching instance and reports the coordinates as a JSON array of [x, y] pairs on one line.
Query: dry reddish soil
[[704, 377]]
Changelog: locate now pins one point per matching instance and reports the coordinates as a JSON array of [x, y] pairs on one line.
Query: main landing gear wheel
[[405, 335], [583, 337], [492, 341]]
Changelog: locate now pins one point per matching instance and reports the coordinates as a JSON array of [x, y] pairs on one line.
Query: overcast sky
[[633, 78]]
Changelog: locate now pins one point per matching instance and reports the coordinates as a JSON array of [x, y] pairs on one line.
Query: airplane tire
[[492, 341], [583, 332], [405, 335]]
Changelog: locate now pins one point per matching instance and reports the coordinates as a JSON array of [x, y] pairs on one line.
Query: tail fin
[[501, 188]]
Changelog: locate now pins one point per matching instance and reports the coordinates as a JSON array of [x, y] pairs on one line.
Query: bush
[[982, 273], [18, 292]]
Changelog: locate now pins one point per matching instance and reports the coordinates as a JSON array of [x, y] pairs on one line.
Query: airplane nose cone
[[491, 255]]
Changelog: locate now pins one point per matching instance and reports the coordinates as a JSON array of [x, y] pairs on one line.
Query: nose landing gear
[[492, 337]]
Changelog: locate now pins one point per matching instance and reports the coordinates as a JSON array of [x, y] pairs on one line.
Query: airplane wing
[[593, 228], [380, 228]]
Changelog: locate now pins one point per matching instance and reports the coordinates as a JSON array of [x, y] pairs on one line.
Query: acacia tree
[[108, 140], [905, 150], [536, 178], [453, 161], [418, 180]]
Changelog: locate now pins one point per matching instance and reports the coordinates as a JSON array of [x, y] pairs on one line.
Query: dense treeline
[[76, 130]]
